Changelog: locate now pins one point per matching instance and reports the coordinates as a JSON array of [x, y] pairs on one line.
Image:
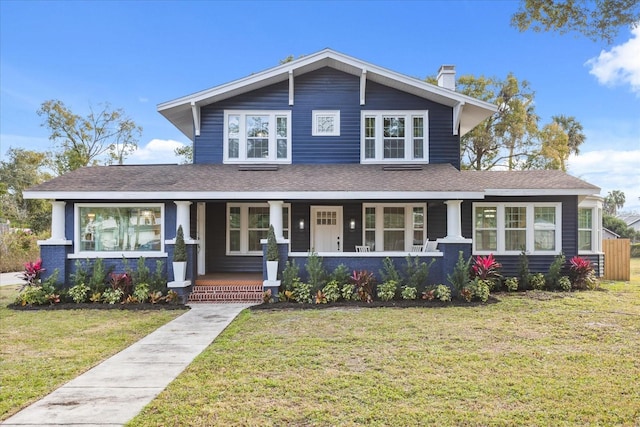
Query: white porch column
[[454, 220], [275, 217], [183, 218], [57, 221]]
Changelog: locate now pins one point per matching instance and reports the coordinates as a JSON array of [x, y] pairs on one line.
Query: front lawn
[[41, 350], [535, 358]]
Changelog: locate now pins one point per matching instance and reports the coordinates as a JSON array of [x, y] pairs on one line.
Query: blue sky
[[136, 55]]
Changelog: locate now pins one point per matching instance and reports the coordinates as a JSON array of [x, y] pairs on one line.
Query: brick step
[[222, 293]]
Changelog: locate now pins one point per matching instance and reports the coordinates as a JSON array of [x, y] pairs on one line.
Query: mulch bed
[[98, 306], [277, 306]]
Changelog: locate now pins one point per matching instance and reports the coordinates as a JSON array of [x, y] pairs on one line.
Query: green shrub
[[141, 292], [301, 291], [479, 289], [32, 295], [389, 271], [635, 250], [555, 272], [16, 249], [112, 296], [387, 290], [98, 276], [290, 274], [340, 274], [331, 291], [442, 292], [511, 284], [459, 277], [523, 271], [564, 284], [417, 272], [538, 281], [79, 293], [158, 281], [348, 292], [409, 292], [316, 272]]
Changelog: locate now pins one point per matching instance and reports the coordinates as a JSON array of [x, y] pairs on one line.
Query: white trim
[[201, 232], [77, 253], [529, 228], [457, 115], [334, 114], [258, 195], [363, 86], [399, 254], [408, 115], [242, 137], [195, 110], [539, 192], [52, 242], [291, 87]]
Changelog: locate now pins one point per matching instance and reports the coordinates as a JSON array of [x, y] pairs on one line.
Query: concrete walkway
[[116, 390], [7, 279]]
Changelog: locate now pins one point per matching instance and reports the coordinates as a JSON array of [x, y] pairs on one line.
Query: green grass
[[41, 350], [531, 359]]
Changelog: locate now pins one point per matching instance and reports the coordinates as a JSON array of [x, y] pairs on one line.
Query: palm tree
[[614, 200]]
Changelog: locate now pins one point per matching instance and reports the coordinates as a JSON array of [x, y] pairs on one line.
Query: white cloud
[[156, 151], [620, 65], [611, 170]]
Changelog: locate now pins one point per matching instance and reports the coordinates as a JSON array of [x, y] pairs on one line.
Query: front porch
[[227, 287]]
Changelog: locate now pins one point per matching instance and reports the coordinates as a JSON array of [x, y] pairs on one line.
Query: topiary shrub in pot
[[179, 257]]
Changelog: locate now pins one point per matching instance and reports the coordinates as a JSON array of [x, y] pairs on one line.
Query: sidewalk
[[116, 390], [7, 279]]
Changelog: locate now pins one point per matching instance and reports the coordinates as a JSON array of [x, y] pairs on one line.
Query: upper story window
[[510, 228], [119, 228], [257, 136], [394, 136]]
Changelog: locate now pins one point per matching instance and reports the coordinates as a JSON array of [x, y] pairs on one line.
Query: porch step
[[221, 293]]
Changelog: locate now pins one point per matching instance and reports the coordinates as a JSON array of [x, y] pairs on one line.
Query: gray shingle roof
[[337, 178]]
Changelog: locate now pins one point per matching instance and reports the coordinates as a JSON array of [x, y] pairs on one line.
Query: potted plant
[[272, 255], [179, 257]]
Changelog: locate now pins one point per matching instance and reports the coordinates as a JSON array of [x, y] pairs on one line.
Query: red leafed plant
[[121, 281], [581, 273], [363, 281], [486, 268], [32, 272]]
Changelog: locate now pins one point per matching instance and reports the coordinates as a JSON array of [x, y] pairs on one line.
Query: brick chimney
[[447, 77]]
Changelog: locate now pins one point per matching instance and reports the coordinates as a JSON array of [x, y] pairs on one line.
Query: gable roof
[[470, 111], [301, 182]]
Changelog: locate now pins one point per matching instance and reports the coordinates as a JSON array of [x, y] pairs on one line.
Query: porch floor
[[229, 279]]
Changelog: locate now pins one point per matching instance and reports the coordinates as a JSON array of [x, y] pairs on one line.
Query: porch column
[[275, 217], [454, 220], [58, 232], [183, 218]]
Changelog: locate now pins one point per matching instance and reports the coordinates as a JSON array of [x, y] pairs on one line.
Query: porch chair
[[417, 248], [363, 248], [430, 246]]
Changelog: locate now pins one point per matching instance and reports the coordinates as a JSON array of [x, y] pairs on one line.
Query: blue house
[[350, 160]]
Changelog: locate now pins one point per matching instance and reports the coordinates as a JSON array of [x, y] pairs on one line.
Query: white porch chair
[[363, 248], [417, 248], [430, 246]]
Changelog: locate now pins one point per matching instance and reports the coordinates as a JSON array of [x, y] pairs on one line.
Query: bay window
[[248, 224], [394, 227], [257, 136], [510, 228], [119, 228], [394, 136]]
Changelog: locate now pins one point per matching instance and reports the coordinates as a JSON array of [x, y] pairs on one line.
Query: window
[[119, 228], [585, 229], [511, 228], [326, 123], [394, 227], [248, 224], [394, 136], [257, 136]]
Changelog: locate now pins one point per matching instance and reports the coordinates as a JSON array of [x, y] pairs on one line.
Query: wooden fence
[[617, 259]]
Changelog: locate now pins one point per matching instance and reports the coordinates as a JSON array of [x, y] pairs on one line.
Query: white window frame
[[529, 231], [329, 114], [77, 234], [408, 221], [409, 138], [244, 227], [242, 149], [596, 225]]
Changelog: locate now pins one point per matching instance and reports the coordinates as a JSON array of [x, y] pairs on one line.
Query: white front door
[[326, 228]]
